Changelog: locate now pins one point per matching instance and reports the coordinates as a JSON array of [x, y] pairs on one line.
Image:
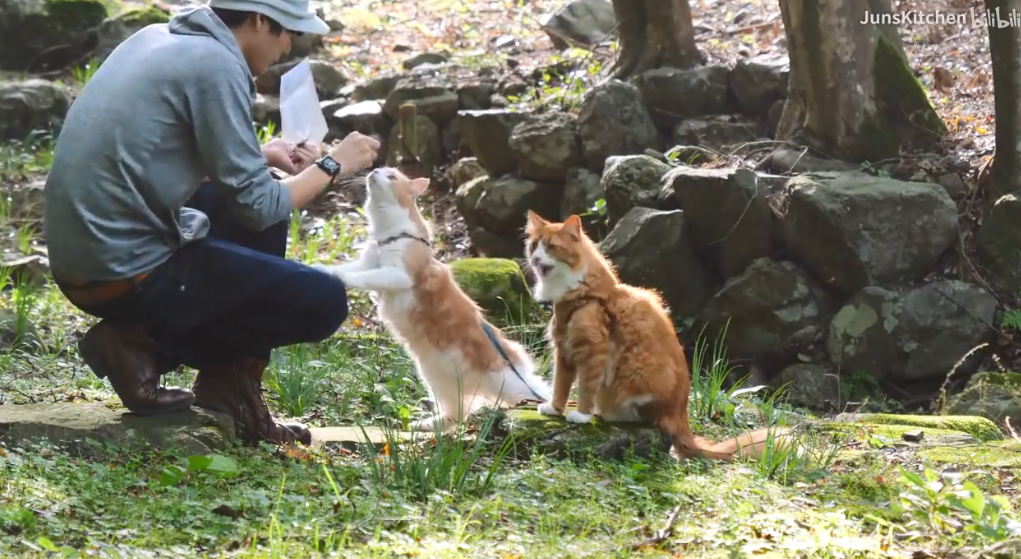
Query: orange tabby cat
[[617, 341]]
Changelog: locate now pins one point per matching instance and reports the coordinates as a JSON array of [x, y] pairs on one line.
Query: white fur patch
[[546, 408], [433, 423], [458, 393], [390, 278], [559, 281], [575, 416]]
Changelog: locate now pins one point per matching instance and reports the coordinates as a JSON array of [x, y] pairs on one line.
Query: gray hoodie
[[170, 106]]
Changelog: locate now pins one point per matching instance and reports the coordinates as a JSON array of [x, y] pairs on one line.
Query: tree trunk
[[851, 93], [1005, 48], [654, 33]]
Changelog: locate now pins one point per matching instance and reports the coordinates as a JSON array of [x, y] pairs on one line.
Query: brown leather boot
[[236, 389], [127, 357]]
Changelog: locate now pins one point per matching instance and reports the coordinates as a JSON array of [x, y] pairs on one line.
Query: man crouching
[[163, 220]]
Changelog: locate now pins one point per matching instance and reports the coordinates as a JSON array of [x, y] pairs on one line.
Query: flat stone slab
[[949, 439], [351, 437], [193, 431]]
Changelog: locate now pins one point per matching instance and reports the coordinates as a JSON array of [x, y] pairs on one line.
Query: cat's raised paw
[[575, 416], [547, 408], [329, 269]]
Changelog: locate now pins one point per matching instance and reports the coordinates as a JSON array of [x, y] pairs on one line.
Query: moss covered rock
[[29, 105], [63, 28], [993, 454], [898, 90], [497, 285], [118, 28], [963, 441], [979, 427], [555, 437], [991, 395]]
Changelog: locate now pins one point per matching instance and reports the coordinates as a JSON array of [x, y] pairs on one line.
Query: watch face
[[330, 165]]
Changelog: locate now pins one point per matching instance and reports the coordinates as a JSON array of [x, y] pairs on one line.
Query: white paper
[[301, 119]]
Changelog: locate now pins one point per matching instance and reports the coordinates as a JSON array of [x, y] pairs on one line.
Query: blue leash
[[492, 339]]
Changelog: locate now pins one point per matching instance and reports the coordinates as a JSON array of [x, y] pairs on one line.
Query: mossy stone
[[38, 26], [125, 24], [978, 427], [556, 437], [897, 91], [992, 395], [497, 285], [142, 17], [958, 440], [994, 454]]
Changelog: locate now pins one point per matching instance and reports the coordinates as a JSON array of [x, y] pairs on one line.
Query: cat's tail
[[751, 444]]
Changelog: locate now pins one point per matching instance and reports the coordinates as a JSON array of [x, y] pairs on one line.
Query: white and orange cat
[[617, 341], [442, 328]]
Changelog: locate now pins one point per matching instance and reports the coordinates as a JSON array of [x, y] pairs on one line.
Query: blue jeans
[[232, 294]]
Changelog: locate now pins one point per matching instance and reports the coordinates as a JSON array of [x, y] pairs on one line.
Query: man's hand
[[355, 152], [292, 161], [303, 156]]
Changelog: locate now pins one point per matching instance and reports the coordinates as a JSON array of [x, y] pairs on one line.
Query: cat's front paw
[[335, 270], [575, 416], [547, 408], [432, 423]]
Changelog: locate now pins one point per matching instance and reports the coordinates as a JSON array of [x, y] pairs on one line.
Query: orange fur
[[428, 312], [617, 342]]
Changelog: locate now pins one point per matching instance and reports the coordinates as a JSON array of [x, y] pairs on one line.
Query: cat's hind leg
[[454, 396]]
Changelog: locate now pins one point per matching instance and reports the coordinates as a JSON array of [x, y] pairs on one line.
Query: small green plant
[[213, 464], [709, 400], [82, 74], [23, 302], [25, 235], [867, 167], [265, 132], [795, 455], [19, 159], [297, 377], [1011, 320], [452, 463], [953, 507]]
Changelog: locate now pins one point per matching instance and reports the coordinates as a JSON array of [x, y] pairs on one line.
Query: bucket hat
[[293, 15]]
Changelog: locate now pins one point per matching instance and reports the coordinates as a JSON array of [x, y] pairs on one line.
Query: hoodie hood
[[201, 21]]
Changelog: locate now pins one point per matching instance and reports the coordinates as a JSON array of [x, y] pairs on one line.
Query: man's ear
[[419, 186]]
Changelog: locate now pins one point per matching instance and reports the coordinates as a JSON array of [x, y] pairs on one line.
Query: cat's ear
[[534, 222], [572, 226], [419, 186]]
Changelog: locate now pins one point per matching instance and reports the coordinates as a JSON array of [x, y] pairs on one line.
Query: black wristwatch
[[329, 165]]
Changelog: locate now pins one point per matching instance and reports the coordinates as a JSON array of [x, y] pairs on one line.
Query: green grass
[[457, 499]]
